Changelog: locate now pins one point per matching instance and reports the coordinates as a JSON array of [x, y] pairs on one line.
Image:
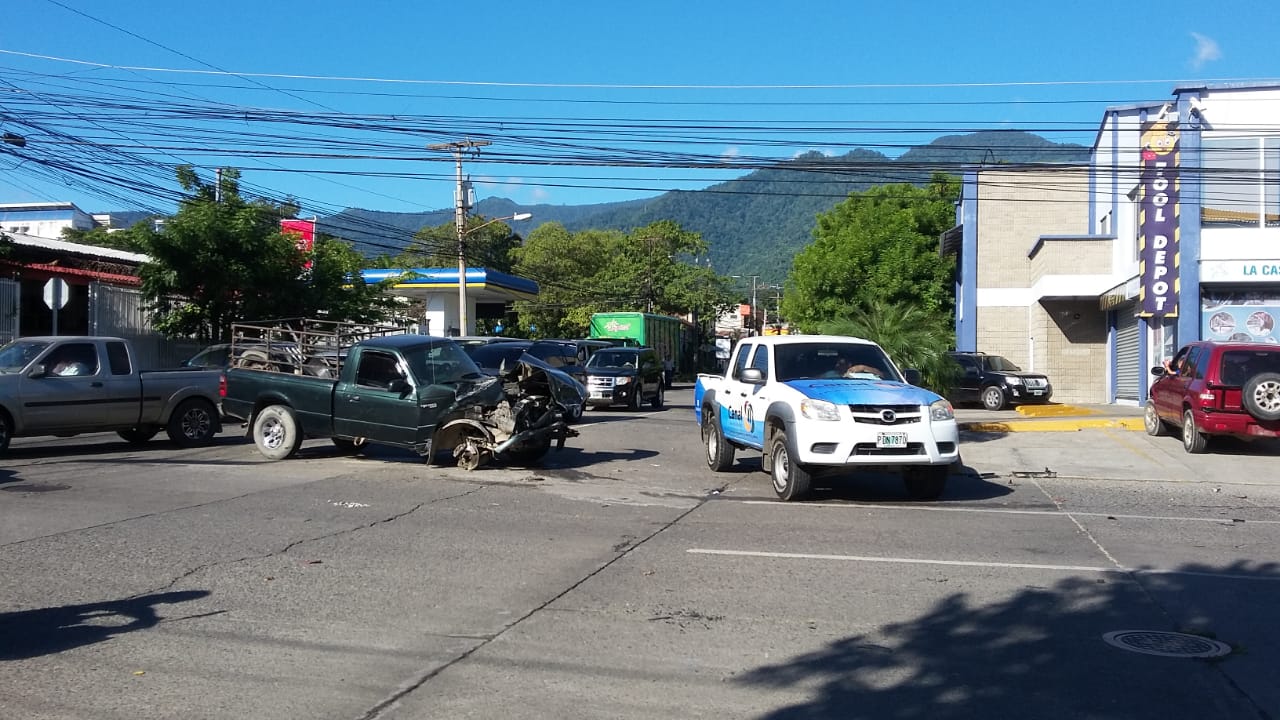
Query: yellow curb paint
[[1053, 410], [1070, 425]]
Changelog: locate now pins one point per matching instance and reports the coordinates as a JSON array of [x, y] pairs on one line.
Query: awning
[[950, 242]]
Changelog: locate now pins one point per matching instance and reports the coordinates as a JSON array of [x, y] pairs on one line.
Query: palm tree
[[911, 335]]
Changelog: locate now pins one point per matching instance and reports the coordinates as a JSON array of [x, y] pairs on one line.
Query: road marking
[[1004, 511], [975, 563]]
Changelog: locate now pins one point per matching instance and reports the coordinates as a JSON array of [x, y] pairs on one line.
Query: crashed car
[[416, 392]]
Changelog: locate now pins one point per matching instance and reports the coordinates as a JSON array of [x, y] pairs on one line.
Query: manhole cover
[[34, 488], [1167, 644]]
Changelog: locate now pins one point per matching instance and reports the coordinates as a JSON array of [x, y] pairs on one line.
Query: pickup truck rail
[[301, 346]]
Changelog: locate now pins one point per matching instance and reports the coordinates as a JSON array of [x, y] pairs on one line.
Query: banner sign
[[304, 231], [1158, 210]]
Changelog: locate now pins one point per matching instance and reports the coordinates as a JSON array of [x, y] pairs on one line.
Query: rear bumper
[[1237, 424]]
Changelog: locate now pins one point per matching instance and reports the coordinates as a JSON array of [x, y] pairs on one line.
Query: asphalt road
[[624, 580]]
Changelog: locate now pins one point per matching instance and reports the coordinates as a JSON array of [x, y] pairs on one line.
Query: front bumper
[[852, 444], [1024, 394]]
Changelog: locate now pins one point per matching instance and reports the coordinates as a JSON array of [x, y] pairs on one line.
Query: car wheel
[[633, 403], [791, 481], [6, 431], [1261, 396], [193, 423], [276, 432], [1151, 421], [993, 398], [719, 452], [659, 399], [925, 483], [138, 435], [1193, 441]]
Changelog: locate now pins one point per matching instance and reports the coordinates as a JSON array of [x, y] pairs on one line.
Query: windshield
[[441, 364], [996, 363], [557, 355], [18, 354], [807, 361], [494, 354], [613, 358]]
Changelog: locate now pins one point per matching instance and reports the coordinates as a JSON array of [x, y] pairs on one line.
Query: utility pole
[[460, 206], [217, 186]]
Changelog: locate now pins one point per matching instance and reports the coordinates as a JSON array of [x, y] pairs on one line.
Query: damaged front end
[[517, 425]]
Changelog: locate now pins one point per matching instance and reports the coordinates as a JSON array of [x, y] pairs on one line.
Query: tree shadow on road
[[32, 633], [1040, 653]]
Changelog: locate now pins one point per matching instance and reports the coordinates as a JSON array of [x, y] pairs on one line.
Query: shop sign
[[1253, 271], [1239, 316], [1158, 194]]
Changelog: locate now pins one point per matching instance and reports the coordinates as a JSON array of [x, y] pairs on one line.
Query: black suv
[[625, 376], [996, 383]]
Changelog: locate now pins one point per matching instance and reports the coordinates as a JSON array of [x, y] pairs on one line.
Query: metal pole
[[460, 222]]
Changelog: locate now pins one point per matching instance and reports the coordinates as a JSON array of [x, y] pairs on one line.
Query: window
[[1239, 182], [377, 370], [118, 356], [741, 361], [761, 360], [72, 360]]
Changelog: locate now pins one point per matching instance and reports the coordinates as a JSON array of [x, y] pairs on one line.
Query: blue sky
[[599, 102]]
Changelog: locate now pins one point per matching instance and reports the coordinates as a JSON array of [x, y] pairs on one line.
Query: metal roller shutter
[[1128, 363], [10, 297]]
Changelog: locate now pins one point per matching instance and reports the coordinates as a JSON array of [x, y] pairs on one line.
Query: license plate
[[891, 440], [1037, 392], [597, 395]]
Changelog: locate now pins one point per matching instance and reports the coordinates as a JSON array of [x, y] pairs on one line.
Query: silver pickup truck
[[69, 385]]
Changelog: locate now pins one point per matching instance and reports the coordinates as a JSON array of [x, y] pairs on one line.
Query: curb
[[1060, 425]]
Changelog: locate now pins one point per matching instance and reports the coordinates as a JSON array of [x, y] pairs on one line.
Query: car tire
[[1151, 421], [6, 431], [659, 398], [719, 451], [193, 423], [791, 481], [1193, 441], [1261, 396], [993, 398], [276, 432], [138, 435], [926, 483], [633, 403]]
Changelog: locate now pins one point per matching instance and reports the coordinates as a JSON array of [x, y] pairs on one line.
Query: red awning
[[70, 272]]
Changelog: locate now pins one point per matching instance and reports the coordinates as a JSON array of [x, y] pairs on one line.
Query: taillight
[[222, 385]]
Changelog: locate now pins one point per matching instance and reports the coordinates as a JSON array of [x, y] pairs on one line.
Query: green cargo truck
[[663, 333]]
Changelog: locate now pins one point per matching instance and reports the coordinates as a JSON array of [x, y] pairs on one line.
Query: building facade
[[1171, 234]]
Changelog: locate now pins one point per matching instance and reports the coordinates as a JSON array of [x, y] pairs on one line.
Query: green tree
[[222, 258], [486, 244], [131, 239], [878, 245], [913, 337]]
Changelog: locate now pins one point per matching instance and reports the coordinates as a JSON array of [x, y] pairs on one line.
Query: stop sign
[[56, 293]]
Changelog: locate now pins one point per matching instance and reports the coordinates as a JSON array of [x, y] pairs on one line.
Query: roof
[[76, 248], [805, 339], [400, 342]]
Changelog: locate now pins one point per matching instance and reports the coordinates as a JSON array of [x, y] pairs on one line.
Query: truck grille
[[870, 450], [1036, 383], [886, 414], [599, 383]]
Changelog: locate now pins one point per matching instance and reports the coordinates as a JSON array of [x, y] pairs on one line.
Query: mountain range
[[754, 224]]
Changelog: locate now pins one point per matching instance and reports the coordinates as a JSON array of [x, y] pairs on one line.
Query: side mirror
[[912, 376], [1158, 371], [38, 370], [399, 385], [752, 375]]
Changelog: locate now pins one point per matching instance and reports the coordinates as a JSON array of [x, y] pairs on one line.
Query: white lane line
[[1004, 511], [972, 563]]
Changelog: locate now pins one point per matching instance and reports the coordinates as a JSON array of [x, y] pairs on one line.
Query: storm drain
[[1166, 644]]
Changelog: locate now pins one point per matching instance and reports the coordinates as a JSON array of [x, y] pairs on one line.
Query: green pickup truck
[[416, 392]]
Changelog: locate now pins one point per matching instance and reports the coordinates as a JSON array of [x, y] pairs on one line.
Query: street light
[[462, 266]]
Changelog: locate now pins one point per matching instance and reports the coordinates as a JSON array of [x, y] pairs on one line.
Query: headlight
[[819, 410], [622, 381], [1013, 380], [941, 410]]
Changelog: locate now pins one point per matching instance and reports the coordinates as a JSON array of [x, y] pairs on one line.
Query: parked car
[[1217, 388], [996, 383], [492, 358], [625, 376], [571, 356], [68, 385]]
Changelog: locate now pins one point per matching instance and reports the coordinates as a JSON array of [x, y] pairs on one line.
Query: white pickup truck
[[811, 402], [67, 385]]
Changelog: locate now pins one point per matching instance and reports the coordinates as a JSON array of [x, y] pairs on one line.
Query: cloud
[[730, 152], [540, 195], [1207, 50]]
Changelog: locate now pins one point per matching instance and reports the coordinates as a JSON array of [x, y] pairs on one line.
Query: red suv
[[1217, 388]]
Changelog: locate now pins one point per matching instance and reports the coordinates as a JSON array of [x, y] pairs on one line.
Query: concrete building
[[489, 292], [43, 220], [1095, 274]]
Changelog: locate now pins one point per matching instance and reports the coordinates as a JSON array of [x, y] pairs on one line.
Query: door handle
[[354, 398]]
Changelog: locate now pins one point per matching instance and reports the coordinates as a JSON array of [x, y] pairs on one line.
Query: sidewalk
[[1053, 417]]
